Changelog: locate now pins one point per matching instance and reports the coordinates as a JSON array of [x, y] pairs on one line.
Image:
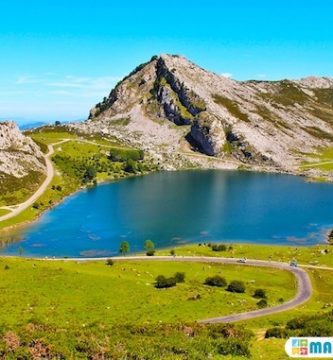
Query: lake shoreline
[[209, 188]]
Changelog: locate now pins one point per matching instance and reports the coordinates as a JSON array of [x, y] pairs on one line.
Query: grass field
[[65, 305]]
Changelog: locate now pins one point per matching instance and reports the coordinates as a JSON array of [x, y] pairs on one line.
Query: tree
[[216, 280], [236, 286], [124, 248], [57, 123], [20, 250], [172, 252], [149, 247]]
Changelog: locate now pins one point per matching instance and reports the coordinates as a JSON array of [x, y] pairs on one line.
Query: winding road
[[304, 286], [17, 209]]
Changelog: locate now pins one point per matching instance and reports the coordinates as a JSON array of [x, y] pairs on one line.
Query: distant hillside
[[22, 166], [174, 110]]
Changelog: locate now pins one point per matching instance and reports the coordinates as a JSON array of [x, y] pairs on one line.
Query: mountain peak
[[172, 107]]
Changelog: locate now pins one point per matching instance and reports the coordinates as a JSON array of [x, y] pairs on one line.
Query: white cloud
[[69, 85], [27, 79], [227, 75], [261, 76], [98, 83]]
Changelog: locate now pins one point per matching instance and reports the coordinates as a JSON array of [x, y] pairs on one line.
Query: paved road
[[17, 209], [304, 287]]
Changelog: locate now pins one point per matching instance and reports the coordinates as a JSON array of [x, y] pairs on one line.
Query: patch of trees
[[219, 247], [162, 282]]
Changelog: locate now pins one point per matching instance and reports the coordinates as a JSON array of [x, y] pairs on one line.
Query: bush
[[109, 262], [150, 252], [259, 294], [262, 303], [216, 280], [275, 332], [130, 166], [219, 247], [172, 252], [297, 323], [36, 206], [236, 286], [162, 282], [234, 347], [180, 277]]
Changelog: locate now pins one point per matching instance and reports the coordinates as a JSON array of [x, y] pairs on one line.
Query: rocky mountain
[[19, 155], [183, 115]]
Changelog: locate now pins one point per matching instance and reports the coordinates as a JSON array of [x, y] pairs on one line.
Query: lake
[[174, 208]]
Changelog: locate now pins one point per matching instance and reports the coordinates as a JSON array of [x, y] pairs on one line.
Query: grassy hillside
[[322, 161], [81, 310], [79, 161]]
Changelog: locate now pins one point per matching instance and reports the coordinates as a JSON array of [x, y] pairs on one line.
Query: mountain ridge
[[169, 104]]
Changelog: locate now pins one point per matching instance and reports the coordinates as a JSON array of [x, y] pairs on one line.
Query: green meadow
[[73, 309]]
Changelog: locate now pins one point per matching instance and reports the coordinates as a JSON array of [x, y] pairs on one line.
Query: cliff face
[[19, 155], [175, 110]]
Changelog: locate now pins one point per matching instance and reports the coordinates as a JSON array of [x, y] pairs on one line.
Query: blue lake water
[[173, 208]]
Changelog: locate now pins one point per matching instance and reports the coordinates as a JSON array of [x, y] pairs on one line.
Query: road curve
[[17, 209], [304, 287]]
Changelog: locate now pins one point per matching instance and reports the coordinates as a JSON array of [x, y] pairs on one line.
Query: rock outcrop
[[19, 155], [175, 109]]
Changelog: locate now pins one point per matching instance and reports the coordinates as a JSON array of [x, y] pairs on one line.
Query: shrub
[[162, 282], [262, 303], [180, 277], [36, 206], [172, 252], [216, 280], [275, 332], [130, 166], [109, 262], [259, 294], [150, 252], [236, 286], [297, 323], [6, 267], [234, 347], [219, 247]]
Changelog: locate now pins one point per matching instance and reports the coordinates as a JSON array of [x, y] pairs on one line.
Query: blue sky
[[58, 58]]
